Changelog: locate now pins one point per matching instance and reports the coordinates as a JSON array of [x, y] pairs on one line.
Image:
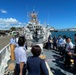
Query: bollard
[[12, 48]]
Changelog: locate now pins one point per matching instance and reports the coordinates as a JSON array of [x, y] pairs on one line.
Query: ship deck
[[54, 61]]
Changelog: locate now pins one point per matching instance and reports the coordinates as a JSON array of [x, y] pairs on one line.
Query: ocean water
[[67, 33]]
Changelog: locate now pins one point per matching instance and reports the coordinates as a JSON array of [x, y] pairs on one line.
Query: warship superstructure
[[34, 29]]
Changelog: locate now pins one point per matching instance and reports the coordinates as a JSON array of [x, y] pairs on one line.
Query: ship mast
[[33, 17]]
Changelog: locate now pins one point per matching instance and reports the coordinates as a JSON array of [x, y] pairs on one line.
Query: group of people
[[33, 65], [65, 47]]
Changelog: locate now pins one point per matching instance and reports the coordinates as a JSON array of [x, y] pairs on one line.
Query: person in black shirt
[[55, 43], [49, 41]]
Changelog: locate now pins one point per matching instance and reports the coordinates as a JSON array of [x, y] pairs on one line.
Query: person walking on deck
[[20, 56]]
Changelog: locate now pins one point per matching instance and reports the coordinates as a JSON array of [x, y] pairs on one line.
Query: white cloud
[[3, 11], [20, 23], [9, 22]]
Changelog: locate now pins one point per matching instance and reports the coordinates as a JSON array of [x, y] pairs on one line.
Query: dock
[[4, 40]]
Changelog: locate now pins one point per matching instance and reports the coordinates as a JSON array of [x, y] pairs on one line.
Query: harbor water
[[67, 33]]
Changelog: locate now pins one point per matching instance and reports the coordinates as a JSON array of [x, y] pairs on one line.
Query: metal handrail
[[4, 47], [4, 57]]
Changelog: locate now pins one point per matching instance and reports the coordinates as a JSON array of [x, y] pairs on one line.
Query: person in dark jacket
[[36, 65], [55, 43], [49, 42]]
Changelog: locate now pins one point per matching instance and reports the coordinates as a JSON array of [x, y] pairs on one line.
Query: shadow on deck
[[56, 63]]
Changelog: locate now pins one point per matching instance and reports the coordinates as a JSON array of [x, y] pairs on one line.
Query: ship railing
[[4, 57]]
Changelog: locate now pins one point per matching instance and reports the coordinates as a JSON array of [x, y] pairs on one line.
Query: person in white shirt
[[12, 40], [16, 40], [63, 46], [69, 48], [20, 56], [70, 45], [60, 44], [64, 40]]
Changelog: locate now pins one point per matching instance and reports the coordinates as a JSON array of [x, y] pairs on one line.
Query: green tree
[[13, 28]]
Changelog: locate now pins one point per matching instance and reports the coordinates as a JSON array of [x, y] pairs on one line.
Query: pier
[[67, 29], [4, 40]]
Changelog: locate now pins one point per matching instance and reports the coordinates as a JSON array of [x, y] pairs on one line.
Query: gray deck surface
[[55, 63], [54, 60]]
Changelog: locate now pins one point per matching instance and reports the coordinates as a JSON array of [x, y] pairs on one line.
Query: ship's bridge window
[[38, 26]]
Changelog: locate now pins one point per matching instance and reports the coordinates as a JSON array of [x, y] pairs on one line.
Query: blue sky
[[57, 13]]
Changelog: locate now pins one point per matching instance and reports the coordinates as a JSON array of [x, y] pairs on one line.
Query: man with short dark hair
[[60, 44], [20, 55], [69, 50]]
